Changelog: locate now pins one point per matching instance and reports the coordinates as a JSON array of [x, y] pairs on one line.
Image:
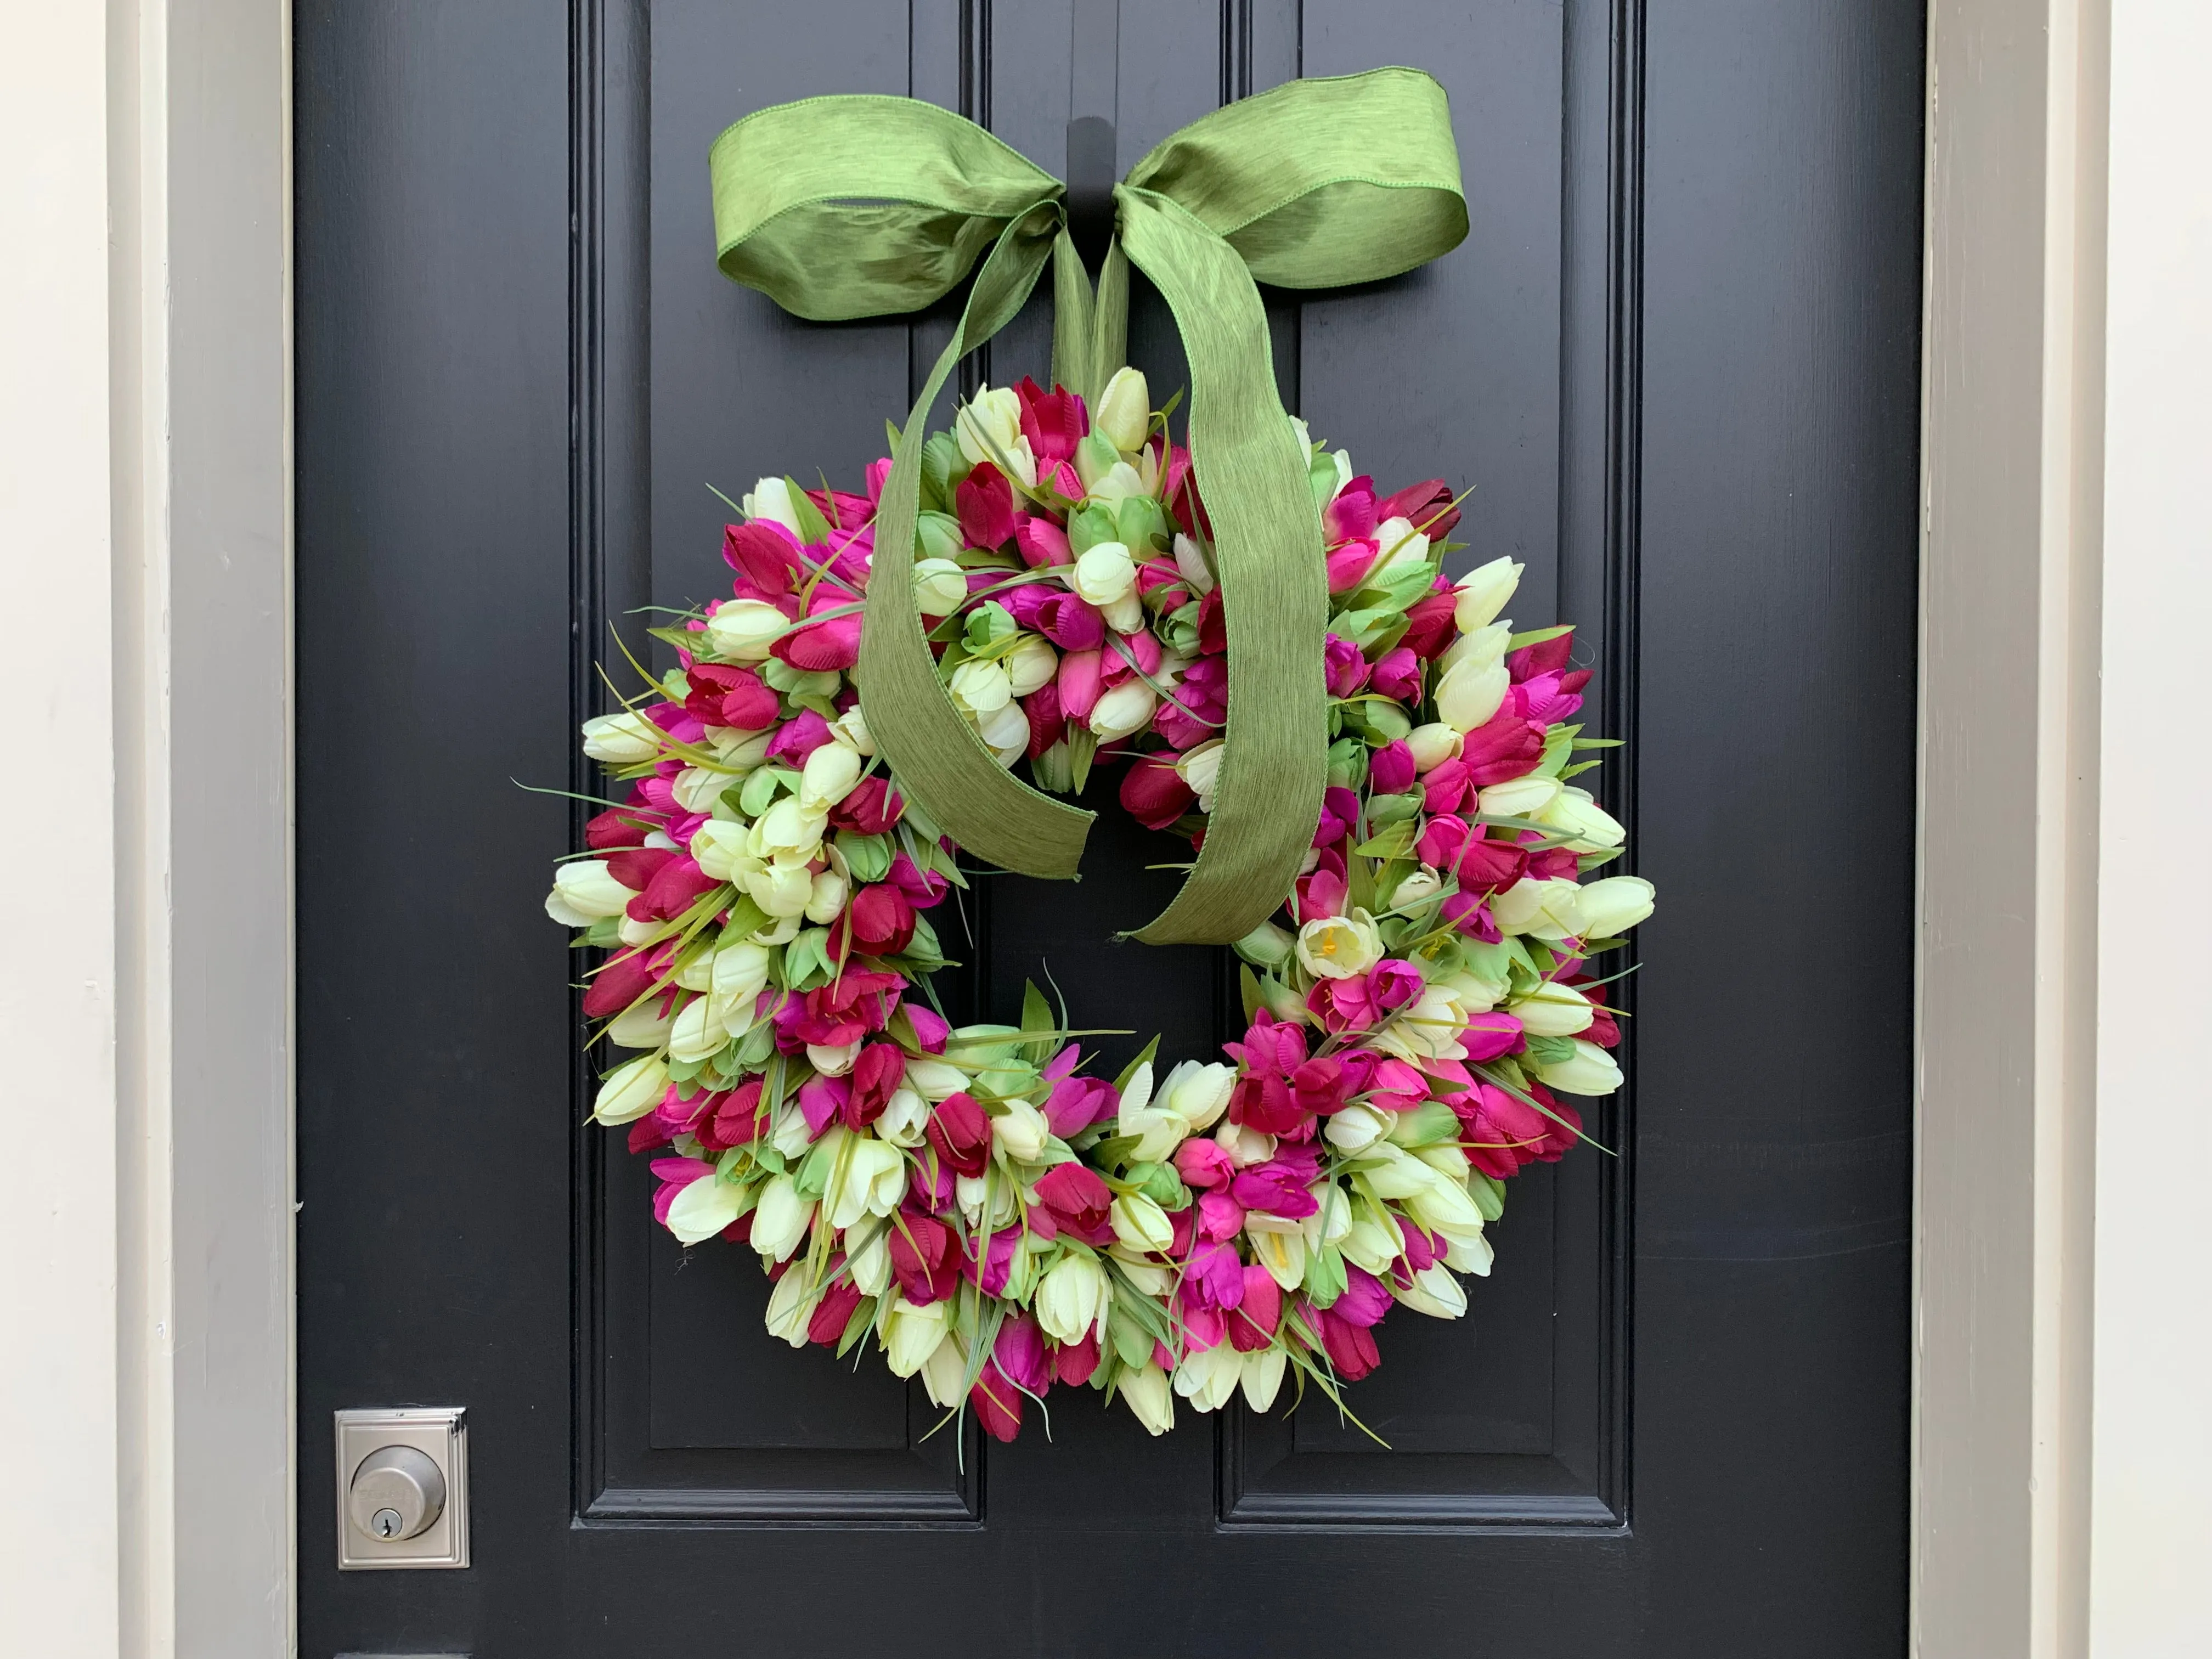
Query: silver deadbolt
[[397, 1493]]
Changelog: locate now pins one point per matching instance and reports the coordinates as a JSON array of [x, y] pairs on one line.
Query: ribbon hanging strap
[[850, 207]]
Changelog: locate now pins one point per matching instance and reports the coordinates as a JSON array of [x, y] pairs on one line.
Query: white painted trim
[[2012, 433], [145, 474]]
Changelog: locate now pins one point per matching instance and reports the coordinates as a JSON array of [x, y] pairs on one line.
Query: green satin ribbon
[[866, 206]]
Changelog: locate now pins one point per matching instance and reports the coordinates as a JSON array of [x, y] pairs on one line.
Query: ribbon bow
[[862, 206]]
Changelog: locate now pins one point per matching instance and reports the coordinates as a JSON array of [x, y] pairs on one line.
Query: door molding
[[179, 1331]]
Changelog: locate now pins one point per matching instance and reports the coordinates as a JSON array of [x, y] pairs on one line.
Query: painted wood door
[[1676, 360]]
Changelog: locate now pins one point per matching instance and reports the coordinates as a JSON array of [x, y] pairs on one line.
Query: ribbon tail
[[1073, 304], [1267, 540], [937, 758], [1110, 322]]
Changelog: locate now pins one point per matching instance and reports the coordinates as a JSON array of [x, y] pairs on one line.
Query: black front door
[[1676, 360]]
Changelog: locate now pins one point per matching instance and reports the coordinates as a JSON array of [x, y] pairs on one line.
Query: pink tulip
[[821, 1099], [1366, 1299], [1471, 916], [1390, 769], [1080, 683], [1349, 564], [1041, 542], [1053, 422], [1219, 1216], [1258, 1314], [1488, 866], [800, 736], [877, 1071], [1509, 746], [1429, 624], [765, 553], [1342, 666], [984, 502], [1074, 1363], [1426, 506], [1153, 793], [1352, 512], [1340, 812], [1203, 1163], [1397, 675]]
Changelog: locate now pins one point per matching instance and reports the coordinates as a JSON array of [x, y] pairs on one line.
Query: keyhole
[[387, 1523]]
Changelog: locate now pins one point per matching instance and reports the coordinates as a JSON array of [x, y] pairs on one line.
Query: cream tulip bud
[[704, 1207], [781, 890], [1208, 1378], [583, 892], [851, 727], [939, 587], [1519, 798], [644, 1026], [697, 788], [945, 1373], [741, 630], [1244, 1144], [1124, 411], [722, 846], [1031, 665], [1283, 1254], [1006, 730], [1541, 909], [1484, 648], [696, 1032], [978, 687], [739, 750], [1127, 707], [1263, 1377], [1443, 1205], [1198, 1093], [1471, 692], [1402, 546], [1357, 1127], [905, 1121], [833, 1059], [1436, 1291], [1070, 1297], [868, 1177], [1190, 561], [1146, 1388], [1140, 1224], [1590, 1071], [790, 1308], [934, 1079], [624, 739], [631, 1089], [1466, 1252], [1338, 947], [829, 775], [1594, 828], [871, 1264], [1105, 573], [740, 973], [1418, 888], [912, 1335], [789, 832], [825, 899], [1553, 1010], [989, 425], [781, 1218], [1483, 592], [1200, 770], [1432, 745], [1610, 908], [1020, 1131], [1125, 614], [1397, 1173], [771, 499]]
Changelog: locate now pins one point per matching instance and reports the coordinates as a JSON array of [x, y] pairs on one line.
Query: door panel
[[1675, 362]]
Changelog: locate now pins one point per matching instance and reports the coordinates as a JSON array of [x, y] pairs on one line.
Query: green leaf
[[813, 528], [758, 792], [937, 536], [1488, 1194], [1248, 988], [746, 919], [1145, 1057], [1538, 635], [1394, 842], [1325, 1279]]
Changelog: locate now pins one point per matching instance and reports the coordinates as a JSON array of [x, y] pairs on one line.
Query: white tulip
[[1020, 1131], [1447, 1160], [934, 1079], [1435, 1292], [1031, 665], [780, 889], [1423, 884], [829, 775], [1520, 798], [1611, 906], [852, 727], [1201, 769], [1197, 1094], [1190, 560], [741, 630], [631, 1089], [989, 425], [1208, 1379], [791, 1306], [1402, 546], [1398, 1174], [1553, 1010], [1105, 573], [789, 832], [781, 1218], [1476, 994], [1244, 1144], [1140, 1224], [870, 1264], [1590, 1071], [1432, 745], [722, 847], [1070, 1298], [1116, 483], [1125, 708], [1483, 592], [939, 587], [978, 687], [1283, 1254], [1542, 909], [1146, 1391], [697, 788], [1471, 692], [867, 1177], [1338, 947], [945, 1373], [1139, 1093], [791, 1136], [905, 1121], [1006, 730], [1125, 411], [1594, 828], [912, 1335], [623, 739], [696, 1032], [1429, 1029], [583, 892], [1263, 1376], [704, 1208], [1357, 1127], [1441, 1205], [644, 1026], [740, 751], [1483, 648], [825, 899], [834, 1061], [1466, 1251], [771, 499]]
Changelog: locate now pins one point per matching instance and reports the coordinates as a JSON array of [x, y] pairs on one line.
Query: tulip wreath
[[1084, 592]]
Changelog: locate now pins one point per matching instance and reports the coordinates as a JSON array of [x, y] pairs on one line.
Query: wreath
[[1420, 976]]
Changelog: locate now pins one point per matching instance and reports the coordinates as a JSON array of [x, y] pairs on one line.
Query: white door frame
[[145, 478]]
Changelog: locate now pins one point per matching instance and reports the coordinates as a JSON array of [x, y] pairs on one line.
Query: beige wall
[[2064, 1340]]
